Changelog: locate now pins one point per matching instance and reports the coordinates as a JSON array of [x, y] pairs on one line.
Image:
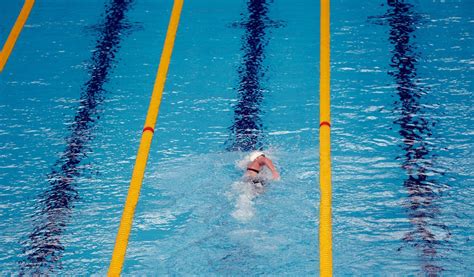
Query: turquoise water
[[244, 75]]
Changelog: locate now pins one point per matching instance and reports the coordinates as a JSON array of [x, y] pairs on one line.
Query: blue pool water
[[243, 75]]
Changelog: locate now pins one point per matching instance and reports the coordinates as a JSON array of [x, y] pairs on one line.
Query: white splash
[[243, 193]]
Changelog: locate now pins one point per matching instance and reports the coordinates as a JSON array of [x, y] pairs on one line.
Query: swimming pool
[[243, 75]]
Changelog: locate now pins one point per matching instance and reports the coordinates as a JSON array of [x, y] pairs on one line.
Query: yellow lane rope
[[121, 241], [325, 229], [15, 32]]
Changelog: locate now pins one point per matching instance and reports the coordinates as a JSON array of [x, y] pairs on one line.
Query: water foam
[[244, 193]]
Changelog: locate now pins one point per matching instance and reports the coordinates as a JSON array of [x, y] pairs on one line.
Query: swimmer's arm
[[270, 165]]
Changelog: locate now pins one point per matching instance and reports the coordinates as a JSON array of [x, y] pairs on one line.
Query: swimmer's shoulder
[[262, 160]]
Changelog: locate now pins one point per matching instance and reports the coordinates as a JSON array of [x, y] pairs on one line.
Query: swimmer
[[257, 161]]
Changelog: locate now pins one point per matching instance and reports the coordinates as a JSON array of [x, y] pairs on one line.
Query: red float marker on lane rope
[[148, 129], [325, 123]]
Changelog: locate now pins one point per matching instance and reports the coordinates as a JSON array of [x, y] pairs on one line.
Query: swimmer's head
[[255, 154]]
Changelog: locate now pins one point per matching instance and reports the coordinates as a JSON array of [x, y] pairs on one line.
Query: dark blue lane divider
[[43, 247], [247, 128], [415, 128]]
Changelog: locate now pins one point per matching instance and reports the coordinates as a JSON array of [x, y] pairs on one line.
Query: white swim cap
[[255, 154]]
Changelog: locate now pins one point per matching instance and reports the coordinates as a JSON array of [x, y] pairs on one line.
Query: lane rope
[[325, 225], [15, 32], [121, 242]]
